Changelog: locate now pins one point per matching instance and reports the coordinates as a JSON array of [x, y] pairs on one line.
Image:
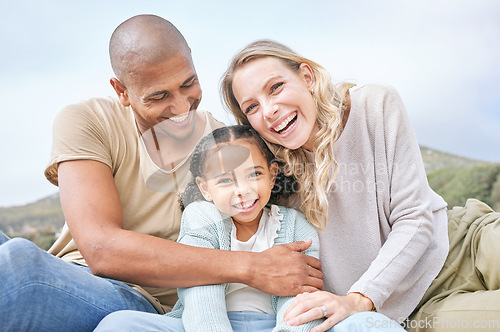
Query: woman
[[384, 231]]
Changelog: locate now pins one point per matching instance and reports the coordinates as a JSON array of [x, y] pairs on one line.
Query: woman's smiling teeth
[[286, 124]]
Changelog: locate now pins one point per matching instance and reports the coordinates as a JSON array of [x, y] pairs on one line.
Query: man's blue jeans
[[40, 292]]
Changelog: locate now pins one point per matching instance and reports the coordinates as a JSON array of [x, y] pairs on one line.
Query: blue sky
[[441, 55]]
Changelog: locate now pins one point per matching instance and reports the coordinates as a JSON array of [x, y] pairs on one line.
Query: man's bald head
[[141, 41]]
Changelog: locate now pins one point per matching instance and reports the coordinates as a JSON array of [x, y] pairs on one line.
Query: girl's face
[[277, 101], [242, 191]]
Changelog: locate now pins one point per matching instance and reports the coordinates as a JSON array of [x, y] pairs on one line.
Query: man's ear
[[121, 91], [202, 185]]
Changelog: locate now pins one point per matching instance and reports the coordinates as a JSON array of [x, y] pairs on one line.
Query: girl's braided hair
[[284, 185]]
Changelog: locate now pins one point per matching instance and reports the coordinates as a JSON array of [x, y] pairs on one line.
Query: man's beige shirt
[[105, 131]]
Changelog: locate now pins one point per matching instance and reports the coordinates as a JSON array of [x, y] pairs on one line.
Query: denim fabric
[[40, 292], [245, 321], [134, 321], [240, 321]]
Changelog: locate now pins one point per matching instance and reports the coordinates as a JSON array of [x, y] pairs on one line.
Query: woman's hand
[[307, 307]]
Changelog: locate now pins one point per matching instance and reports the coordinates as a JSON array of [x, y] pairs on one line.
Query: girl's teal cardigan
[[203, 308]]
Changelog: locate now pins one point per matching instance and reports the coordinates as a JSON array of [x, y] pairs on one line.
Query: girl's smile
[[239, 182]]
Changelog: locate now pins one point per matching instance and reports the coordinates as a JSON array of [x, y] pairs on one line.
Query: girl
[[229, 205], [384, 236]]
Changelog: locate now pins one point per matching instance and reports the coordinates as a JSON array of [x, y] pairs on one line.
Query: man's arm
[[92, 209]]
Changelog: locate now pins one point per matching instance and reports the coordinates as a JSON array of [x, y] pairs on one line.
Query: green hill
[[435, 160], [480, 181], [457, 178], [39, 221], [453, 177]]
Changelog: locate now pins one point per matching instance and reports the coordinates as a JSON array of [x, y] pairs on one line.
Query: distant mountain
[[39, 221], [457, 178], [435, 160], [456, 185], [45, 212], [453, 177]]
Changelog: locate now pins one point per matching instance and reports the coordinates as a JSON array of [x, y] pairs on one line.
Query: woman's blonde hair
[[331, 103]]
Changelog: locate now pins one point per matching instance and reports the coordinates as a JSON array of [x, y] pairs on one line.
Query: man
[[119, 165]]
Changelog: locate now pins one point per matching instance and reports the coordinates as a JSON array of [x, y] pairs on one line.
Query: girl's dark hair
[[284, 185]]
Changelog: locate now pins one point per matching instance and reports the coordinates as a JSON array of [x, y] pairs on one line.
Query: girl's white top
[[241, 297]]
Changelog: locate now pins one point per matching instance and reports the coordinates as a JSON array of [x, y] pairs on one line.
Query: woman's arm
[[407, 199]]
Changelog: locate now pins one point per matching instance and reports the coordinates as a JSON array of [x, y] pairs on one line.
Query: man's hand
[[284, 271]]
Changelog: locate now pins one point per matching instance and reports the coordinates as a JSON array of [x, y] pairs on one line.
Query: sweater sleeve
[[204, 307], [408, 208], [297, 228]]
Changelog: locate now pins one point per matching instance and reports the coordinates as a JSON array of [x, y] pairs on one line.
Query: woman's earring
[[312, 92]]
